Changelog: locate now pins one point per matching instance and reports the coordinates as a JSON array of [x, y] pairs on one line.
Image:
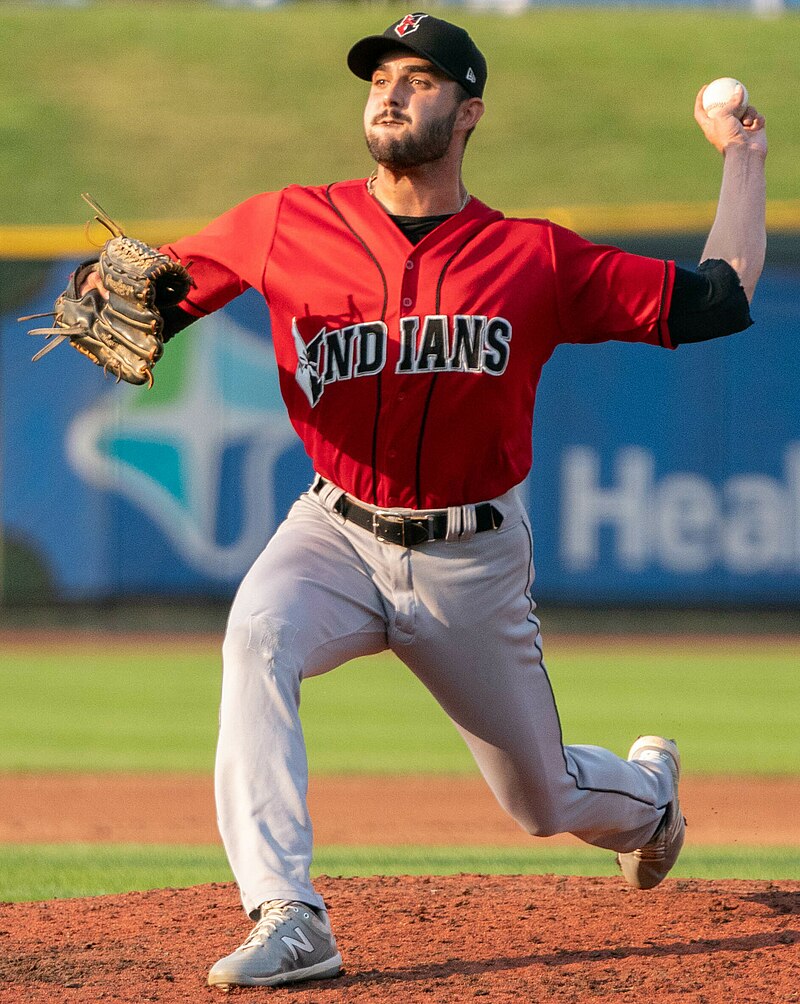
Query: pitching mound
[[443, 939]]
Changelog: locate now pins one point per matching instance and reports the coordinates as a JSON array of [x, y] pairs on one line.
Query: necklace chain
[[371, 191]]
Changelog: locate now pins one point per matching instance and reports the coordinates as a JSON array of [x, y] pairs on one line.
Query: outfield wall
[[659, 477]]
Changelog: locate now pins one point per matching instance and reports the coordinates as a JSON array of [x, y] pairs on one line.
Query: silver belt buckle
[[382, 520]]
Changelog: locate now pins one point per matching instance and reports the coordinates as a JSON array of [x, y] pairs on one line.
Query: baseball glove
[[123, 334]]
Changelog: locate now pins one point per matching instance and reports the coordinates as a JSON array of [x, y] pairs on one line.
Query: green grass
[[60, 871], [135, 707], [55, 871], [123, 707], [184, 109]]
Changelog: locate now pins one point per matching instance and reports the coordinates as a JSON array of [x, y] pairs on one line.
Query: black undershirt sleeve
[[708, 303], [175, 320]]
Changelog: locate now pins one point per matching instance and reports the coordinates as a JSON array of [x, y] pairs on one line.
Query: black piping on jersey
[[435, 377], [378, 386], [533, 619]]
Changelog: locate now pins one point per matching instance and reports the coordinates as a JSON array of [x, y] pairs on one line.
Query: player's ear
[[469, 113]]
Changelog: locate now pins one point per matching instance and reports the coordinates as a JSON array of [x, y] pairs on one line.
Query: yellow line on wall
[[73, 242], [660, 218]]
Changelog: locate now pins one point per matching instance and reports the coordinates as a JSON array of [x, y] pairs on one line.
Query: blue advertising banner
[[659, 476], [171, 491]]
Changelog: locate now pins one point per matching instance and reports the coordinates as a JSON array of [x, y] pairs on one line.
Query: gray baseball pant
[[460, 615]]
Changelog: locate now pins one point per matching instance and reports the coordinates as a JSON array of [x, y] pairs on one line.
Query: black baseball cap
[[445, 45]]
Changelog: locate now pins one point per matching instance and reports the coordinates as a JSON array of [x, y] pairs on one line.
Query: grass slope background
[[167, 110]]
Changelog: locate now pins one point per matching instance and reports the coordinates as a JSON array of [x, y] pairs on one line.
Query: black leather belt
[[407, 529]]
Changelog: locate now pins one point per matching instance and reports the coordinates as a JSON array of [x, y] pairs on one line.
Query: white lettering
[[753, 538], [496, 353], [434, 347], [681, 522], [685, 519], [468, 336], [587, 507], [472, 343], [792, 465], [409, 326]]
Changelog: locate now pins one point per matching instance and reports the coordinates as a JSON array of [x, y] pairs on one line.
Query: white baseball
[[720, 91]]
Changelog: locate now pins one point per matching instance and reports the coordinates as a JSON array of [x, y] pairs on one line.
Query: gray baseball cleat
[[645, 867], [291, 942]]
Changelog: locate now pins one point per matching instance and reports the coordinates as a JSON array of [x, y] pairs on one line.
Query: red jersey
[[410, 371]]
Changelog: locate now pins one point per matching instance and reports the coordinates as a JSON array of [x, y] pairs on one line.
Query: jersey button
[[407, 301], [409, 265]]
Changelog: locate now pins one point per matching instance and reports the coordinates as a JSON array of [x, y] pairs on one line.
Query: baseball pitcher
[[411, 323]]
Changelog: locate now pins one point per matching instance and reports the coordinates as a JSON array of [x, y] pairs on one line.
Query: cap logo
[[471, 75], [409, 23]]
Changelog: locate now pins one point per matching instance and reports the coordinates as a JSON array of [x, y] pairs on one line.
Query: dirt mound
[[443, 939]]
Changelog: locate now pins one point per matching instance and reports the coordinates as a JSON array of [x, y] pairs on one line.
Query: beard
[[430, 143]]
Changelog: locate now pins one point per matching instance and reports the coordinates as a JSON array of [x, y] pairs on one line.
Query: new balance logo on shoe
[[293, 944]]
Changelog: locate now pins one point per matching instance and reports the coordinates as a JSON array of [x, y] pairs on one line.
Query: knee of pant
[[269, 638], [541, 828], [537, 820]]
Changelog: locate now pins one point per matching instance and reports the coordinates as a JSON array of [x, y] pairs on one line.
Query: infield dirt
[[414, 939], [377, 810]]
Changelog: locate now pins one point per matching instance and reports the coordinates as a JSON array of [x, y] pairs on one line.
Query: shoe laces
[[656, 849], [273, 913]]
